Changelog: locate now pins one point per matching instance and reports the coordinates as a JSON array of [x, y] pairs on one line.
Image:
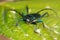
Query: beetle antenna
[[47, 9]]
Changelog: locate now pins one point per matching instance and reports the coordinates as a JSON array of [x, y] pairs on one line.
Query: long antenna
[[47, 9]]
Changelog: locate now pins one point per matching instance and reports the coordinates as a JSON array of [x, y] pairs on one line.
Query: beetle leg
[[18, 21], [41, 22], [35, 28], [15, 11], [46, 13], [27, 9]]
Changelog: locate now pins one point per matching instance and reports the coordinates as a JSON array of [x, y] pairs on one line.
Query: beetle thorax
[[28, 18], [31, 18]]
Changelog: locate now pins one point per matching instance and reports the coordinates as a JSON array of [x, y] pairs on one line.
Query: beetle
[[33, 18]]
